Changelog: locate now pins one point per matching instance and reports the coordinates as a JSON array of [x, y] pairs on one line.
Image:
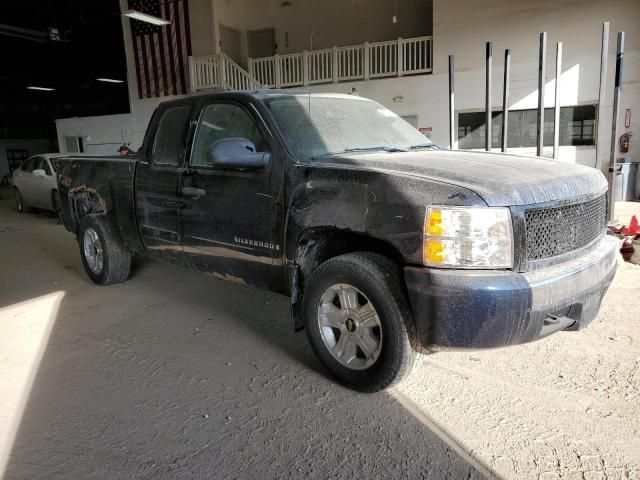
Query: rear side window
[[29, 165], [171, 138]]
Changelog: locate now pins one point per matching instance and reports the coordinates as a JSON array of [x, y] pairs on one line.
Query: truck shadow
[[177, 375]]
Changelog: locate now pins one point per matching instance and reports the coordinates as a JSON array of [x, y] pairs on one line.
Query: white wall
[[201, 27], [100, 135]]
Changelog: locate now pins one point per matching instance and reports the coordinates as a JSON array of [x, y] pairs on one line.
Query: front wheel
[[358, 321], [104, 256]]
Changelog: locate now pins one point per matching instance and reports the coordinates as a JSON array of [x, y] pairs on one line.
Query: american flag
[[161, 52]]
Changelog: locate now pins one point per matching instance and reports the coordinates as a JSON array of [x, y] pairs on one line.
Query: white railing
[[219, 72], [383, 59], [320, 66], [416, 55], [351, 62], [394, 58], [289, 70], [404, 56], [264, 68], [204, 72]]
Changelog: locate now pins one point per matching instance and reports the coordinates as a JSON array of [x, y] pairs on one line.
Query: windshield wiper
[[367, 148], [386, 148], [424, 145]]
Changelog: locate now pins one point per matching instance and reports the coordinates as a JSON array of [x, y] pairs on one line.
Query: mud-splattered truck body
[[275, 189]]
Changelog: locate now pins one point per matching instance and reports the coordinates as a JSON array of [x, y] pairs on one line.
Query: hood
[[500, 179]]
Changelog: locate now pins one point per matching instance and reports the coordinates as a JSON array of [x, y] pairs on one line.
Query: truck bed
[[108, 185]]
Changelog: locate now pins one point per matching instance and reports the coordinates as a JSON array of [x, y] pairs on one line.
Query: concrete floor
[[177, 375]]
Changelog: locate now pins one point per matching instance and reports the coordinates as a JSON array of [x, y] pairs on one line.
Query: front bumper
[[486, 309]]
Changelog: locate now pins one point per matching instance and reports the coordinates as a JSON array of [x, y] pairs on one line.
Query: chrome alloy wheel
[[350, 326], [93, 250]]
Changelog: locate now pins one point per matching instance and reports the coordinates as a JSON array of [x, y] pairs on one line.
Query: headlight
[[468, 237]]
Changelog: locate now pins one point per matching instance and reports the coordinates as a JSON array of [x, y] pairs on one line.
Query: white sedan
[[34, 183]]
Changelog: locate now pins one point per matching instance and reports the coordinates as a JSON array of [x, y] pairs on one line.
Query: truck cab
[[386, 244]]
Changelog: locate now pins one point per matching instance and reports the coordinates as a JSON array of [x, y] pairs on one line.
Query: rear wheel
[[357, 319], [104, 256], [19, 202]]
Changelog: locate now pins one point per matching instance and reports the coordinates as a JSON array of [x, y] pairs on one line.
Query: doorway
[[230, 43], [73, 144], [261, 43]]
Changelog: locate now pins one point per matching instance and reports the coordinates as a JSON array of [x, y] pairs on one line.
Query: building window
[[577, 127]]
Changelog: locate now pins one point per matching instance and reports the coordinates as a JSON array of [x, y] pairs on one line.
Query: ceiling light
[[44, 89], [109, 80], [143, 17]]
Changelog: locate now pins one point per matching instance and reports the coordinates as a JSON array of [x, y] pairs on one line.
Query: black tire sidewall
[[96, 225], [394, 336]]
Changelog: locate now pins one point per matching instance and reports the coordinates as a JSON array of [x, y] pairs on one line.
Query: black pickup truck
[[387, 245]]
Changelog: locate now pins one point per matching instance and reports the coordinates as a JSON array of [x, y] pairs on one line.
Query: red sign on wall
[[426, 131]]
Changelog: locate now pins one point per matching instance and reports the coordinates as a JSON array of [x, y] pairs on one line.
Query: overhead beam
[[24, 33]]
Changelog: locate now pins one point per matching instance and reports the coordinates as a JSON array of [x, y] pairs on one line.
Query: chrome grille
[[553, 231]]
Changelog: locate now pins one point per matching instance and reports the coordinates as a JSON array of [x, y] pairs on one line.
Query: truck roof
[[263, 94]]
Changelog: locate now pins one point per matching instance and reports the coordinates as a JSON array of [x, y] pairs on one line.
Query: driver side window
[[29, 165], [224, 120]]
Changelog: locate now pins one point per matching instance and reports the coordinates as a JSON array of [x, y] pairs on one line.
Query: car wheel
[[358, 321], [105, 257], [19, 202]]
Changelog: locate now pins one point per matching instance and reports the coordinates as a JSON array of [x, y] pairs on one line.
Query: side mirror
[[38, 172], [236, 153]]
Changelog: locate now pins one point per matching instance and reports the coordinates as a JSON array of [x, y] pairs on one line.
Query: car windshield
[[315, 126]]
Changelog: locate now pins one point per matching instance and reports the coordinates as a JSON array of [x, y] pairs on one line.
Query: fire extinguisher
[[624, 142], [624, 138]]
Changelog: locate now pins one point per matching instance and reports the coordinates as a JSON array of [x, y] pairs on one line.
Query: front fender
[[380, 205]]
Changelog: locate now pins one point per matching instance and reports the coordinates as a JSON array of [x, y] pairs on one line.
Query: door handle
[[193, 192]]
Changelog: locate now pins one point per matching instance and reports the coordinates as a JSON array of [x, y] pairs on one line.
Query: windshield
[[339, 124]]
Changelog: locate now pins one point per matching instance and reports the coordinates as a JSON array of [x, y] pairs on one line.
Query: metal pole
[[614, 125], [452, 123], [604, 52], [488, 136], [542, 60], [556, 109], [505, 98]]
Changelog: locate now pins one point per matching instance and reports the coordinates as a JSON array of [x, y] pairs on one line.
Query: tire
[[366, 282], [105, 257], [20, 206]]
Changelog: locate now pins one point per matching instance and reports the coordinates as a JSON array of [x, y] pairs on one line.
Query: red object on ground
[[633, 228], [627, 250]]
